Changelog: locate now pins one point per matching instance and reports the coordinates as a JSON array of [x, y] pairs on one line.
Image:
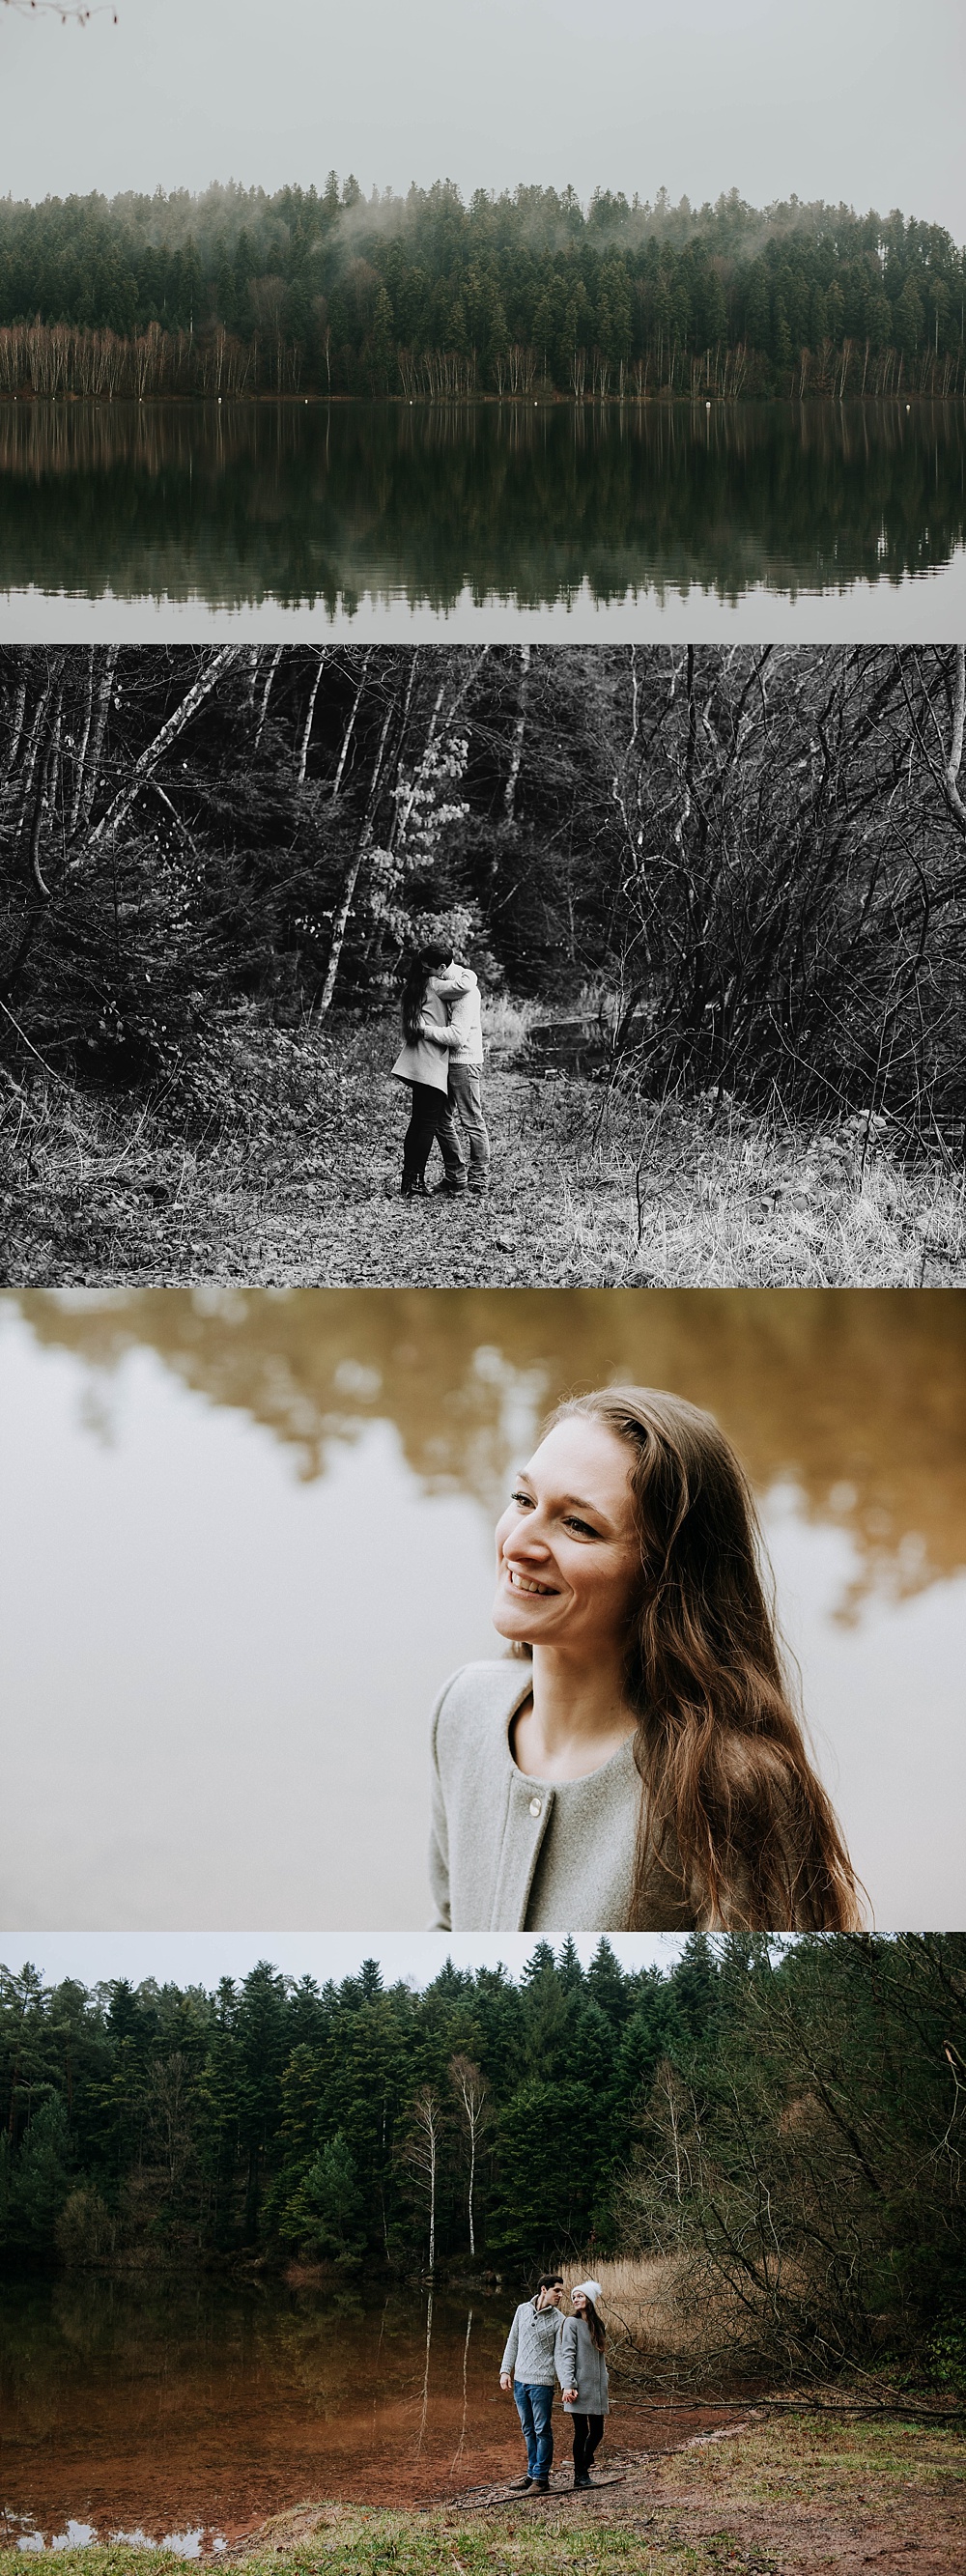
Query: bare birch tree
[[421, 2153], [472, 2102]]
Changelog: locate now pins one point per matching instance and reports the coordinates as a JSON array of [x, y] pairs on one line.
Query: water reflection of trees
[[129, 2378], [244, 501], [856, 1396]]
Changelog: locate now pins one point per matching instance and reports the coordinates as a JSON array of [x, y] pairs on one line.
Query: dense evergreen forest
[[746, 866], [786, 2122], [333, 293]]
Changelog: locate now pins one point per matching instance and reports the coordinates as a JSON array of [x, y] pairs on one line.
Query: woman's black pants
[[431, 1116], [588, 2432]]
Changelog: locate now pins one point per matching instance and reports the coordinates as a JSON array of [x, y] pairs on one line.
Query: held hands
[[569, 2396]]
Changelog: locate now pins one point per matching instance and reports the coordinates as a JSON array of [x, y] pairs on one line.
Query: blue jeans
[[466, 1098], [533, 2403]]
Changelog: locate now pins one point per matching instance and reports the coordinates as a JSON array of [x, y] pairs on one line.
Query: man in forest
[[528, 2368], [458, 987]]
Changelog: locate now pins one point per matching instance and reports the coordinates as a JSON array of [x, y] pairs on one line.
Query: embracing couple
[[442, 1062], [542, 2347]]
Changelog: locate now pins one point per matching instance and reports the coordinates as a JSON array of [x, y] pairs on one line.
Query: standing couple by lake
[[442, 1063], [545, 2347]]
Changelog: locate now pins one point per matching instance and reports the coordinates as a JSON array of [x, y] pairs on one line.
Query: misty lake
[[188, 2410], [574, 522], [245, 1535]]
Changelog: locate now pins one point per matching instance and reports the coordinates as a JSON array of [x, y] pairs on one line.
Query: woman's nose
[[526, 1541]]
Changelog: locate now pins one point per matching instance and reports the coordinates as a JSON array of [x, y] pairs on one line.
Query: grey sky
[[201, 1958], [858, 100]]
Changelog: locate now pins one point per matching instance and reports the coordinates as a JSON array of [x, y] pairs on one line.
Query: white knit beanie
[[589, 2290]]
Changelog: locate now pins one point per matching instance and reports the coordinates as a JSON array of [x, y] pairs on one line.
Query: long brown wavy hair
[[425, 962], [597, 2327], [730, 1802]]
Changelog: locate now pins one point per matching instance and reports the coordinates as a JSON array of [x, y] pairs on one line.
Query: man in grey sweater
[[458, 987], [528, 2368]]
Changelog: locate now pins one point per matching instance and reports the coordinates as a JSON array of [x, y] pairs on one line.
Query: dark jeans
[[588, 2431], [533, 2402], [431, 1116]]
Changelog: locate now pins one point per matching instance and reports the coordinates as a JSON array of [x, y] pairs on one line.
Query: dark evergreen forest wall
[[786, 2122], [236, 291]]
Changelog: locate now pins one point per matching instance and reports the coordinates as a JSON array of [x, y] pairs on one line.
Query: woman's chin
[[511, 1621]]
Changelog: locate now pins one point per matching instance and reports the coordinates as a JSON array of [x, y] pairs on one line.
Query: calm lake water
[[822, 518], [190, 2411], [245, 1535]]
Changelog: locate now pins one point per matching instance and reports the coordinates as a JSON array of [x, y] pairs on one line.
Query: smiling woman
[[647, 1770]]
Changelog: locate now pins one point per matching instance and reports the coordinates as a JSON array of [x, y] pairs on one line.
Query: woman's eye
[[583, 1526], [524, 1499]]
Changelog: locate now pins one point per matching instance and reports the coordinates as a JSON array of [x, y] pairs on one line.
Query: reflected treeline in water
[[328, 505], [177, 2403], [856, 1396]]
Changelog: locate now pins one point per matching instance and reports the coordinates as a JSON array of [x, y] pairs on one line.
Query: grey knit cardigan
[[581, 2366], [512, 1854]]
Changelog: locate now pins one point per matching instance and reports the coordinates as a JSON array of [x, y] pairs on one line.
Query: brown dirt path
[[764, 2495]]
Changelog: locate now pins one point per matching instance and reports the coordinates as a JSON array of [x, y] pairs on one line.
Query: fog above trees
[[330, 291]]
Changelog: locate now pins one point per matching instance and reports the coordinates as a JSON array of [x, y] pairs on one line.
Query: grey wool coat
[[581, 2366], [513, 1854], [423, 1060]]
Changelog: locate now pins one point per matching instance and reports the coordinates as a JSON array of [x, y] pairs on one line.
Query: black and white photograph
[[632, 966]]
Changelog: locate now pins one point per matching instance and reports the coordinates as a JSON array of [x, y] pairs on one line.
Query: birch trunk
[[17, 714], [214, 670], [307, 727], [350, 728], [274, 661], [363, 847], [89, 765], [519, 730]]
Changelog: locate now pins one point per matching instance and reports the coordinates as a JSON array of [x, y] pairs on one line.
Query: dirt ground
[[586, 1191], [770, 2492], [770, 2496]]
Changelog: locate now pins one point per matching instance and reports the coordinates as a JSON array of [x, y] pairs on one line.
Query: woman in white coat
[[582, 2372], [424, 1065]]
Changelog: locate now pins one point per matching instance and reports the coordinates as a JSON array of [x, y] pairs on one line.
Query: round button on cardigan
[[513, 1854]]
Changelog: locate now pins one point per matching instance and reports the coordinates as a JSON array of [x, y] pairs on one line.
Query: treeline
[[748, 864], [785, 2122], [235, 291], [338, 2123]]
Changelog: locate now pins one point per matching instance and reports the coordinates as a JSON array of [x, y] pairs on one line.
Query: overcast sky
[[202, 1958], [860, 100]]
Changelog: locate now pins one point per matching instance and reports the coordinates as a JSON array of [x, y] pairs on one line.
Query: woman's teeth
[[522, 1582]]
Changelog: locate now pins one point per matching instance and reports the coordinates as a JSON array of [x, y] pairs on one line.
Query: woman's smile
[[525, 1582], [568, 1537]]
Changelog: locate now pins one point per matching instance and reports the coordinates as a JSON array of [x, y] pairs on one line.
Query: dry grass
[[639, 2303], [742, 1200], [290, 1177]]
